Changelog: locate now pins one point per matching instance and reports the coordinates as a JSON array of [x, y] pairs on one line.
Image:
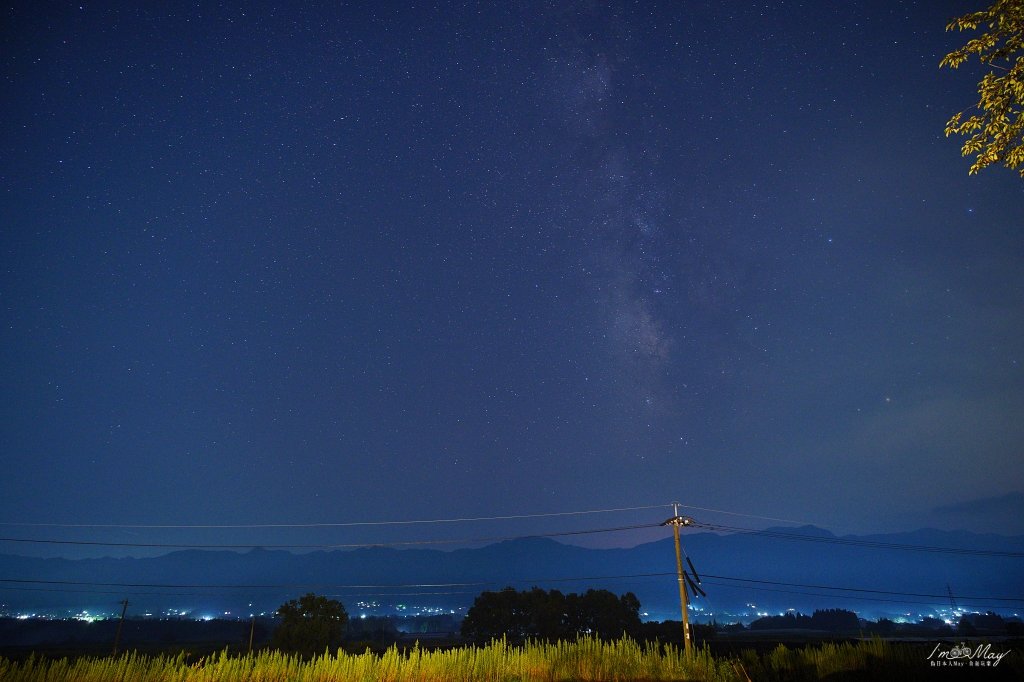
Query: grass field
[[585, 660]]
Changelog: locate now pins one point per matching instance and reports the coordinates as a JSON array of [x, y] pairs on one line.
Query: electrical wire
[[850, 542], [510, 582], [847, 596], [745, 583], [351, 594], [347, 545], [854, 589], [328, 525], [728, 639], [857, 543], [330, 587], [756, 588], [225, 594], [755, 516]]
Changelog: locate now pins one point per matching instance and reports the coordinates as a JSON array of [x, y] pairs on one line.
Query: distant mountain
[[1004, 513], [441, 578]]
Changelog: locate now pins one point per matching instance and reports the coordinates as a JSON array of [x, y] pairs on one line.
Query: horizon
[[915, 565], [471, 545]]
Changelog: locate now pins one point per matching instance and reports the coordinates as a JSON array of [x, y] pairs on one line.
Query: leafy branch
[[997, 131]]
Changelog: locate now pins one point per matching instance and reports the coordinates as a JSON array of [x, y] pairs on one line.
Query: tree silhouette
[[310, 624], [538, 614]]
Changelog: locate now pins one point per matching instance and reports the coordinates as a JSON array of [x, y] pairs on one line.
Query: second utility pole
[[684, 597], [252, 631], [117, 638]]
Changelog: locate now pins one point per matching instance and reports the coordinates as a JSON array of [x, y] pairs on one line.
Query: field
[[585, 660]]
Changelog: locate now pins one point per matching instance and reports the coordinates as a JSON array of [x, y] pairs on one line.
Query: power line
[[121, 592], [330, 587], [506, 582], [408, 543], [757, 588], [251, 595], [843, 596], [852, 589], [328, 525], [224, 594], [755, 516], [332, 545], [397, 523], [859, 543]]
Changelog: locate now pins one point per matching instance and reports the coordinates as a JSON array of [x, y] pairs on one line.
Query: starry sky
[[301, 262]]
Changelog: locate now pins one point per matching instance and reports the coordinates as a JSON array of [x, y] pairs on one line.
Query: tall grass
[[584, 660]]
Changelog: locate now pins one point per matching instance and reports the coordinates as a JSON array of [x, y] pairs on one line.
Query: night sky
[[325, 262]]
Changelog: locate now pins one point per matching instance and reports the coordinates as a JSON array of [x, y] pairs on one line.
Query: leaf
[[997, 132]]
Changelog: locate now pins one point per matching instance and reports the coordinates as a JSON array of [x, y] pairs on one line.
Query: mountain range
[[774, 574]]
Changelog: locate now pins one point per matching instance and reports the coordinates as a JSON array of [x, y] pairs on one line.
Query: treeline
[[829, 620], [542, 615], [990, 623], [551, 615], [847, 622], [310, 624], [383, 628]]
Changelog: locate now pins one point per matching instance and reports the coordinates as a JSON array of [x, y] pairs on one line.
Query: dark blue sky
[[271, 263]]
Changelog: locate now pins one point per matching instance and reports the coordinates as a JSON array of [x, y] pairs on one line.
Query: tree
[[538, 614], [494, 614], [601, 613], [835, 620], [966, 627], [997, 131], [671, 631], [310, 624]]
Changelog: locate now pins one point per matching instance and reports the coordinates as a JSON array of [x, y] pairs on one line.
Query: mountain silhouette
[[780, 568]]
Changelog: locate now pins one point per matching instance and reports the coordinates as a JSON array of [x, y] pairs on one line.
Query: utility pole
[[684, 597], [117, 638], [252, 630]]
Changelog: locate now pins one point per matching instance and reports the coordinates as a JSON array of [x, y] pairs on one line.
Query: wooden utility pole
[[117, 638], [684, 597], [252, 630]]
